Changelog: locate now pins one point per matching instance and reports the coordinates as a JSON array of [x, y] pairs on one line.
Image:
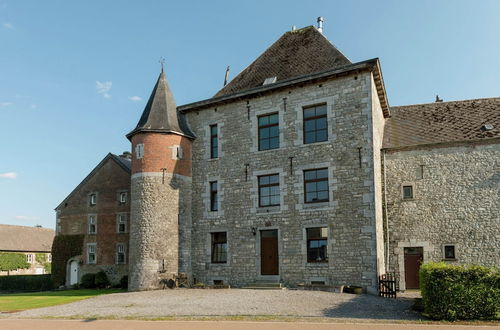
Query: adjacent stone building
[[299, 172]]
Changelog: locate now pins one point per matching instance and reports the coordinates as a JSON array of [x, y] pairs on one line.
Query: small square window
[[449, 252], [93, 199], [407, 192], [123, 197]]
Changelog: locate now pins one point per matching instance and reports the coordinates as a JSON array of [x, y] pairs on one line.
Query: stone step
[[264, 286]]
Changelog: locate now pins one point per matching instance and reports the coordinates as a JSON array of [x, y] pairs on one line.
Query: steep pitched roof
[[25, 239], [296, 53], [124, 163], [160, 114], [442, 122]]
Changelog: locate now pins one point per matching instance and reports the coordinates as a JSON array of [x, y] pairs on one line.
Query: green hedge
[[63, 248], [26, 283], [460, 293], [13, 261]]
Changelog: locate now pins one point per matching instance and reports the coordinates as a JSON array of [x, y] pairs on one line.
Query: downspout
[[384, 209]]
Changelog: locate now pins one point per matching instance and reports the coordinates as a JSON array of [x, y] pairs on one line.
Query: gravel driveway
[[199, 302]]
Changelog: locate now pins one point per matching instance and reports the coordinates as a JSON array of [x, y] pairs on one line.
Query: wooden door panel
[[413, 259], [269, 260]]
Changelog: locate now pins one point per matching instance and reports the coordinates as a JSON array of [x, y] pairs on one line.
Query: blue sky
[[75, 75]]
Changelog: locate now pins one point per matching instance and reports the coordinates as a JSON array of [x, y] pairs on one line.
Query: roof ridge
[[32, 227], [444, 102]]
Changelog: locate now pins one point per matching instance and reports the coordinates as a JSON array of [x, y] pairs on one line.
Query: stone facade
[[455, 202], [352, 215]]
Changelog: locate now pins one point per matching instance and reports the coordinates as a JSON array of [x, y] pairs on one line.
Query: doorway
[[73, 272], [414, 256], [269, 259]]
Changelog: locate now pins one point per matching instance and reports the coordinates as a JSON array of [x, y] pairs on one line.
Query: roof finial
[[162, 62], [438, 99], [226, 76], [320, 24]]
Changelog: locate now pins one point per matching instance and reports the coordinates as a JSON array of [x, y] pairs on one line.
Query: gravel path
[[182, 302]]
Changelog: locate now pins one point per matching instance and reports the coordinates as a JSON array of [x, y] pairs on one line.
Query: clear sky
[[75, 75]]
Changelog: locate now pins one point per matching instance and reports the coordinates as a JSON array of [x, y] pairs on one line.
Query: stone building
[[34, 242], [298, 171]]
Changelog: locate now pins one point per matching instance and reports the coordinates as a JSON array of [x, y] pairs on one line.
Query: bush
[[124, 282], [13, 261], [26, 283], [88, 281], [460, 293], [101, 280]]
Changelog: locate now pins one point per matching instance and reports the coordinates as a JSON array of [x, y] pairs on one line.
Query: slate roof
[[124, 163], [442, 122], [296, 53], [25, 239], [160, 114]]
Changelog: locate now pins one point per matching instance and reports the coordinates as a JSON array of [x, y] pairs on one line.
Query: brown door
[[269, 261], [414, 256]]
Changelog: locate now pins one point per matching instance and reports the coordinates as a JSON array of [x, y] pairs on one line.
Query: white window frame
[[49, 257], [123, 197], [29, 258], [91, 249], [92, 220], [93, 199], [121, 218], [122, 246], [139, 151]]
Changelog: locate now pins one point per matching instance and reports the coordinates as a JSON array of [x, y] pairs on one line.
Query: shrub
[[26, 283], [459, 292], [101, 280], [13, 261], [124, 282], [88, 281]]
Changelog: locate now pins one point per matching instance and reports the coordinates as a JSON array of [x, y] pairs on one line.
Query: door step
[[264, 286]]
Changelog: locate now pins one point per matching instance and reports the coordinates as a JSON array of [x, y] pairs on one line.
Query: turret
[[160, 191]]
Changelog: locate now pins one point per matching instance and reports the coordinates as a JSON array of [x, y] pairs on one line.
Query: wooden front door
[[414, 256], [269, 260]]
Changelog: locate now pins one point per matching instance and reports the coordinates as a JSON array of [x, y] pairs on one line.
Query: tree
[[12, 261]]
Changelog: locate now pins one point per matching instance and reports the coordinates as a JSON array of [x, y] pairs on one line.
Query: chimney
[[320, 24], [438, 99]]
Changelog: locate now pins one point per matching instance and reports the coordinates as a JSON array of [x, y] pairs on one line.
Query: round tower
[[160, 215]]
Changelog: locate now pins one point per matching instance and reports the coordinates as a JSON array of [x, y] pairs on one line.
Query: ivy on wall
[[63, 248], [13, 261]]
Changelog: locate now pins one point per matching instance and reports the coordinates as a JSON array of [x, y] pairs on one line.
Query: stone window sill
[[319, 264], [269, 209], [449, 259]]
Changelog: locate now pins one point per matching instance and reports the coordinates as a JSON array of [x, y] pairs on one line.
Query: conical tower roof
[[160, 114], [296, 53]]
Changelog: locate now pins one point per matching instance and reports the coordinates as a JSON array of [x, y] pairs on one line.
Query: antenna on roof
[[162, 62], [320, 21], [226, 76], [438, 99]]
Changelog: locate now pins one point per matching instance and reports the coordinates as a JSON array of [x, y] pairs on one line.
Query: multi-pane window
[[93, 199], [49, 257], [219, 248], [214, 141], [317, 241], [316, 185], [120, 253], [315, 124], [92, 224], [407, 192], [29, 258], [123, 197], [449, 251], [91, 257], [269, 135], [121, 223], [139, 151], [214, 196], [269, 190]]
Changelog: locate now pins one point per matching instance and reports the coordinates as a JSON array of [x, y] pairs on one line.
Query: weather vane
[[162, 62]]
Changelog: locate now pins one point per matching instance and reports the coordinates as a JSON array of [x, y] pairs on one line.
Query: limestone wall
[[456, 202], [349, 215]]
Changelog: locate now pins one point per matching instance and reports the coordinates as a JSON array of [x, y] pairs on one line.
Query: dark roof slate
[[442, 122], [25, 239], [296, 53], [160, 114]]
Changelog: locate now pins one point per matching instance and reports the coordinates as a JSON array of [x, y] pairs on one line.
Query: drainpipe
[[386, 217]]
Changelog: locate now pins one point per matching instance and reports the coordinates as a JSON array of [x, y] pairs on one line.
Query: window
[[49, 257], [315, 124], [92, 224], [269, 135], [219, 248], [120, 253], [316, 185], [93, 199], [139, 151], [317, 239], [214, 200], [269, 190], [29, 258], [123, 197], [91, 257], [407, 192], [449, 252], [214, 141], [121, 223]]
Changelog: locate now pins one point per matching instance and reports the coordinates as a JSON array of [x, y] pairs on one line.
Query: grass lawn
[[29, 300]]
